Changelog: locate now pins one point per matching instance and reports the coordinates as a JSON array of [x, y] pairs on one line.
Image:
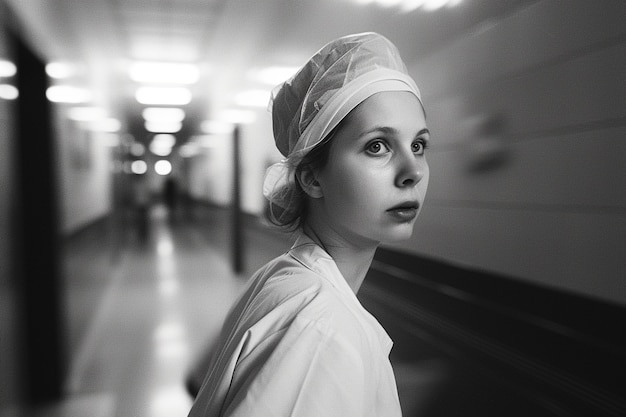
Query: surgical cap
[[308, 106]]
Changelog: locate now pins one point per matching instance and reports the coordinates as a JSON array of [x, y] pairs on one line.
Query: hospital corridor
[[146, 144], [142, 312]]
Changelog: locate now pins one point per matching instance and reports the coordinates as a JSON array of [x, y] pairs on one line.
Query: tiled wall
[[528, 119]]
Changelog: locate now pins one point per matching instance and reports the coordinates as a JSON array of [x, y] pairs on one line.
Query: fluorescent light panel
[[61, 70], [170, 114], [8, 92], [163, 167], [162, 127], [162, 144], [67, 94], [164, 73], [163, 95], [160, 150], [139, 167], [165, 140], [7, 68]]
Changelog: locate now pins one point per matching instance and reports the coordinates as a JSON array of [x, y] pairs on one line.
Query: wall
[[9, 395], [536, 193], [84, 172], [210, 172], [259, 152]]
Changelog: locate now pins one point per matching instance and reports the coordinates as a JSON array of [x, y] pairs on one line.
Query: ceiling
[[227, 39]]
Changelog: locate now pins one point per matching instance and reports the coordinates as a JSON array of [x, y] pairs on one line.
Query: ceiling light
[[163, 95], [164, 73], [170, 114], [164, 140], [162, 144], [160, 150], [139, 167], [162, 127], [163, 167], [60, 70], [253, 98], [67, 94], [8, 92], [7, 68]]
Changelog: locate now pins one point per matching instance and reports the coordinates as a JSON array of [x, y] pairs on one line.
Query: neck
[[352, 259]]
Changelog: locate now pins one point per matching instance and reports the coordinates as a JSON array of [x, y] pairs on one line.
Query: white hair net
[[308, 106]]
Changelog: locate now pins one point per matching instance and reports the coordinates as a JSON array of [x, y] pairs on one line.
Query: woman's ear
[[308, 182]]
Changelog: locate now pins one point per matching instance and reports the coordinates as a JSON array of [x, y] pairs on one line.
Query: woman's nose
[[410, 170]]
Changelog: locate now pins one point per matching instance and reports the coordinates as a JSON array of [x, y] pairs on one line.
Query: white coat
[[299, 343]]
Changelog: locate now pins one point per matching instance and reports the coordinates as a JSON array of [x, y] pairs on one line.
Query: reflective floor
[[139, 318]]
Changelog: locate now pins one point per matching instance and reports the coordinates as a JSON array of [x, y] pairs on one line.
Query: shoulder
[[292, 287], [285, 280], [302, 284]]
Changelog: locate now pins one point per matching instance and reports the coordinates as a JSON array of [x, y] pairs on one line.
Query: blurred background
[[134, 136]]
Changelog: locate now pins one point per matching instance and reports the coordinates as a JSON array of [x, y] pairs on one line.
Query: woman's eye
[[377, 147], [418, 147]]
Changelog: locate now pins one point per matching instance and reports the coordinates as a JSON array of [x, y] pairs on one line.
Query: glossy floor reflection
[[135, 337]]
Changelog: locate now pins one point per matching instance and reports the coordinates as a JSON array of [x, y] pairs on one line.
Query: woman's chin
[[400, 233]]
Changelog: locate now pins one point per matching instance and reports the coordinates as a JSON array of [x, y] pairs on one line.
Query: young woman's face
[[375, 180]]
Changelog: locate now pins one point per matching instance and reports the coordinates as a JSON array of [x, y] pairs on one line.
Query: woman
[[298, 342]]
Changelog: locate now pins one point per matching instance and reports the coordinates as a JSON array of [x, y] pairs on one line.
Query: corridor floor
[[137, 322]]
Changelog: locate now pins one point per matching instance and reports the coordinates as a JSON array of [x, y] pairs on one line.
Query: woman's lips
[[404, 212]]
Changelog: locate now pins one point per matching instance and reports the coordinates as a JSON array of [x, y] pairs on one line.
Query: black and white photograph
[[312, 208]]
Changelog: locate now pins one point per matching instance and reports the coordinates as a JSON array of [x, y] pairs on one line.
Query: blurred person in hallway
[[170, 196], [352, 128], [141, 205]]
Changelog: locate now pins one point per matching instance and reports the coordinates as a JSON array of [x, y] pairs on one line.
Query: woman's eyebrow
[[390, 130], [423, 131], [380, 129]]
